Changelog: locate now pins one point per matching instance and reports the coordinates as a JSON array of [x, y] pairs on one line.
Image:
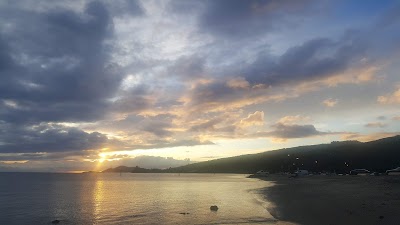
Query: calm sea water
[[39, 198]]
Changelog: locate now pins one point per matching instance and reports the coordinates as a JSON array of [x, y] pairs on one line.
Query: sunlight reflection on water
[[133, 199]]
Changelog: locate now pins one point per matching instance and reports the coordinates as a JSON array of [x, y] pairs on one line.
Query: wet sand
[[335, 200]]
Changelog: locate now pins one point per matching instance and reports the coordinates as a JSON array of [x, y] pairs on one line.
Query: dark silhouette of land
[[339, 157], [136, 169]]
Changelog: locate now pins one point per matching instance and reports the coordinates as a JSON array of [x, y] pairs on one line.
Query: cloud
[[62, 71], [294, 131], [188, 68], [314, 59], [215, 127], [393, 98], [282, 132], [293, 119], [221, 96], [369, 137], [330, 102], [353, 75], [49, 138], [239, 83], [254, 119], [157, 125], [162, 143], [131, 8], [375, 125], [237, 19], [49, 156], [133, 100], [79, 147], [206, 126]]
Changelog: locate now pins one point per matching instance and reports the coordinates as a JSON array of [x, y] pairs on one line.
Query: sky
[[88, 85]]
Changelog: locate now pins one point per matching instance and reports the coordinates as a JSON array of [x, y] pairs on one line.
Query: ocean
[[40, 198]]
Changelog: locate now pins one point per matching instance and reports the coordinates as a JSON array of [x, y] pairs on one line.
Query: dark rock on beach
[[214, 208]]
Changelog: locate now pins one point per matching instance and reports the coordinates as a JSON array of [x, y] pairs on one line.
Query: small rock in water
[[381, 217], [214, 208], [55, 222]]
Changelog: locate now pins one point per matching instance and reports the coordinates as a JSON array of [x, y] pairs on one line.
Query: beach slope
[[335, 200]]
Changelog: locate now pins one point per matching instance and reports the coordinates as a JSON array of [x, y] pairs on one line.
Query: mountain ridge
[[378, 155]]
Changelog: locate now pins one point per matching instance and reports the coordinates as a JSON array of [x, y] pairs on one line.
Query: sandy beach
[[335, 200]]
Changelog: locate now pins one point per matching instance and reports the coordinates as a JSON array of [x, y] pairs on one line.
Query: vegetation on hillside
[[340, 157]]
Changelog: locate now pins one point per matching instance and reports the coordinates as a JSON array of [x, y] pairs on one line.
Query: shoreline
[[334, 200]]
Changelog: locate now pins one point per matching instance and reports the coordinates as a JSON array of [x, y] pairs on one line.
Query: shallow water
[[39, 198]]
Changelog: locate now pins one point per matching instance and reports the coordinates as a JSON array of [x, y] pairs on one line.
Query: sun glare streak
[[103, 157]]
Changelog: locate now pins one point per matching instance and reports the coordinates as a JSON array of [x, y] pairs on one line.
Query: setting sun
[[102, 157]]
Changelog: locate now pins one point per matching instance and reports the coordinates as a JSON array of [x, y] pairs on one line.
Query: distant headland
[[339, 157]]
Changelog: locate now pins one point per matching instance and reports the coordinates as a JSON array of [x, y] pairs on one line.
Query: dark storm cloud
[[21, 156], [28, 112], [316, 58], [206, 126], [214, 94], [215, 125], [289, 131], [133, 100], [294, 131], [156, 127], [138, 125], [188, 67], [6, 62], [48, 138], [46, 156], [237, 19], [55, 65], [125, 7]]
